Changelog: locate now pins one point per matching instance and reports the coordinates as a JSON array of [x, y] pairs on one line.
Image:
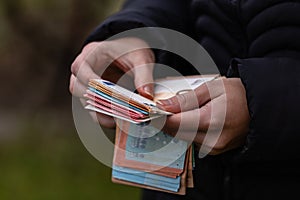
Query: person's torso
[[246, 28]]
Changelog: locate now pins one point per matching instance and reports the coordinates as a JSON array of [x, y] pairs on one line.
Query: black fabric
[[258, 41], [172, 14], [273, 92]]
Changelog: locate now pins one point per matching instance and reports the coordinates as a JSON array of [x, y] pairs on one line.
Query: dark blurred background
[[41, 156]]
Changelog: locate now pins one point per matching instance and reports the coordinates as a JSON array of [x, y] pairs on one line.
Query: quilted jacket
[[258, 41]]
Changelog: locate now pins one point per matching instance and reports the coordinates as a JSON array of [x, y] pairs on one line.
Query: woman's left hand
[[219, 106]]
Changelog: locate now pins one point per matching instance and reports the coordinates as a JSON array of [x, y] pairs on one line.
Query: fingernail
[[147, 89], [165, 102]]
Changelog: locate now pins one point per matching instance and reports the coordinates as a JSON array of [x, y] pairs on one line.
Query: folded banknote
[[111, 99]]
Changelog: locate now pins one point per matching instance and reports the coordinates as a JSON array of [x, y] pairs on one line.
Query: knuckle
[[71, 84], [101, 45], [94, 46], [75, 66], [183, 101], [151, 56], [221, 144], [147, 55], [170, 126], [71, 87], [206, 122], [104, 48]]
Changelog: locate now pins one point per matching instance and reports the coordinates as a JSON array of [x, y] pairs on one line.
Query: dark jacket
[[258, 41]]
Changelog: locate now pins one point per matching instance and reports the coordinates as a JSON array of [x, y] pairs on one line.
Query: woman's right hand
[[111, 60]]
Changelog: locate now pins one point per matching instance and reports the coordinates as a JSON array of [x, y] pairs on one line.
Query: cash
[[158, 162], [144, 156], [110, 99]]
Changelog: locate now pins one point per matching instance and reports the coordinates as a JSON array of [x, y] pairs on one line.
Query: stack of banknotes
[[144, 156], [110, 99], [148, 158]]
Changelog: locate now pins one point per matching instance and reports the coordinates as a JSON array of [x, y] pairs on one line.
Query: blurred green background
[[41, 155]]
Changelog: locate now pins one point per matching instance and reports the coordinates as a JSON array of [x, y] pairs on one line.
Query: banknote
[[136, 176], [171, 86], [158, 153], [152, 181], [113, 100], [108, 98], [144, 156]]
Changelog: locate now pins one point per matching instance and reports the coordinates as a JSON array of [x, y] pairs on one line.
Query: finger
[[139, 64], [103, 120], [143, 80], [189, 137], [212, 148], [193, 99], [92, 59], [76, 87], [83, 102], [199, 140], [83, 71], [190, 121], [113, 74]]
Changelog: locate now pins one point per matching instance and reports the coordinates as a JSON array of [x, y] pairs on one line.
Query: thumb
[[192, 99], [180, 102], [143, 80]]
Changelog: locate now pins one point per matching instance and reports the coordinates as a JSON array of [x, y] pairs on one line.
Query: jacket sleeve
[[273, 92], [172, 14]]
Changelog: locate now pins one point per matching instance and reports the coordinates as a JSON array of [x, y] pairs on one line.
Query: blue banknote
[[136, 176], [149, 145]]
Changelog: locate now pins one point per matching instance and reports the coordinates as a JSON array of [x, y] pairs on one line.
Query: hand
[[110, 60], [227, 97]]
